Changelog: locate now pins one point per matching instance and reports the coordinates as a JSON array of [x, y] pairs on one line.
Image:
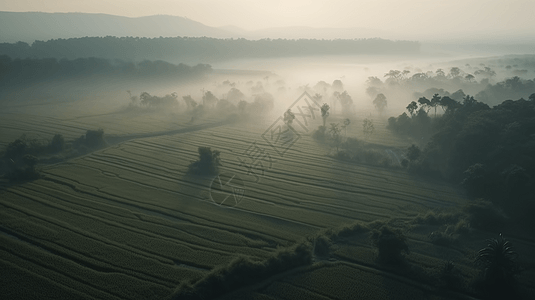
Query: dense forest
[[20, 72], [199, 49], [491, 151]]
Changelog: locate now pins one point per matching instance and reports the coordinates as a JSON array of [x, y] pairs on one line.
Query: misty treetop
[[200, 48], [510, 88]]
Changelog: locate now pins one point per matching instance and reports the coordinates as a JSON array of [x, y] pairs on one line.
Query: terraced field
[[126, 222]]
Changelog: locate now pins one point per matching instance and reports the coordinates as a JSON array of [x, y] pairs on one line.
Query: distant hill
[[31, 26], [304, 32]]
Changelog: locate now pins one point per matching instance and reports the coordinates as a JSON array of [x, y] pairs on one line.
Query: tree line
[[29, 70], [19, 159], [199, 48]]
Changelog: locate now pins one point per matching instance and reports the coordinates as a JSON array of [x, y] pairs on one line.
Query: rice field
[[126, 222]]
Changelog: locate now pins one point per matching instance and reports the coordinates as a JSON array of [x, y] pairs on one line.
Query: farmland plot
[[127, 222]]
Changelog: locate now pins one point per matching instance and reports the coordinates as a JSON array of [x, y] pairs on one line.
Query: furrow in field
[[320, 161], [77, 259], [83, 248], [327, 187], [14, 282], [341, 209], [132, 241], [199, 218], [101, 285], [196, 242], [338, 190]]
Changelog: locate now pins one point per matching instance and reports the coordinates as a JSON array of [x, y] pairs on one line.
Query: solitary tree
[[469, 77], [412, 108], [380, 102], [208, 162], [346, 123], [325, 112]]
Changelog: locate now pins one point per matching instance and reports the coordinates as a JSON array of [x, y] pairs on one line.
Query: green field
[[126, 222]]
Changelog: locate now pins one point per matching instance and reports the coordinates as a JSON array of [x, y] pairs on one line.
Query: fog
[[267, 150]]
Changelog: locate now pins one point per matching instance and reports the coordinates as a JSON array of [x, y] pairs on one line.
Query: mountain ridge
[[30, 26]]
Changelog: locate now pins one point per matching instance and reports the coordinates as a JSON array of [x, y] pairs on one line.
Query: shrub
[[322, 245], [94, 138], [24, 169], [57, 144], [207, 164], [433, 218], [91, 139], [390, 243], [16, 148]]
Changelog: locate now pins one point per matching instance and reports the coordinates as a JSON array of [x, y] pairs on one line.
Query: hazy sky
[[417, 16]]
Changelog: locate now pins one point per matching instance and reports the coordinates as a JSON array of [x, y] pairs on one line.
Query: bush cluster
[[243, 271]]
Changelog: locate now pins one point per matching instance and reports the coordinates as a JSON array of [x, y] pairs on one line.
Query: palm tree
[[498, 260]]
